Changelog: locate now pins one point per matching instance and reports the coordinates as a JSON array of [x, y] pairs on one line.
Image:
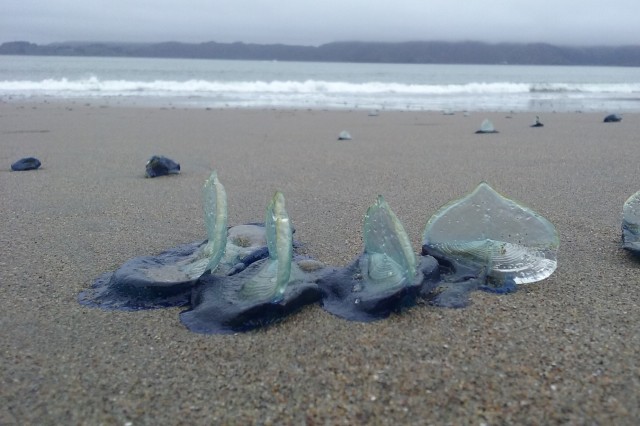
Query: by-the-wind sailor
[[491, 242], [487, 127], [28, 163], [344, 136], [537, 123], [146, 282], [166, 279], [386, 278], [159, 165], [263, 293], [631, 224], [613, 118]]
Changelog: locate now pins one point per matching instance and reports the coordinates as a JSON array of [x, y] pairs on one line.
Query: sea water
[[271, 84]]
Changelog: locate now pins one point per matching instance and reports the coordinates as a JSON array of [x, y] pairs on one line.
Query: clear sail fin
[[390, 260], [271, 281], [487, 127], [215, 217], [484, 228]]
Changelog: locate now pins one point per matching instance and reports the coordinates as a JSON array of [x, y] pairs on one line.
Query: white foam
[[94, 84], [319, 93]]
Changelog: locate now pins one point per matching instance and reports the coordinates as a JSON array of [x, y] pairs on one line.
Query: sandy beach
[[564, 350]]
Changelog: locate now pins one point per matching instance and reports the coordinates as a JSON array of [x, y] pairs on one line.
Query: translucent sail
[[385, 278], [389, 262], [537, 123], [271, 281], [631, 223], [484, 228], [215, 217], [344, 136], [487, 127], [265, 292]]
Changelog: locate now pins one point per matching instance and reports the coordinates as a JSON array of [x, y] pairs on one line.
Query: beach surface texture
[[563, 350]]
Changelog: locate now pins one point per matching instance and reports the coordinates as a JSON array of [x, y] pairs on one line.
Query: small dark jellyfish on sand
[[264, 293], [146, 282], [344, 136], [486, 241], [165, 280], [631, 224], [486, 127], [159, 165], [28, 163], [537, 123], [613, 118], [386, 278]]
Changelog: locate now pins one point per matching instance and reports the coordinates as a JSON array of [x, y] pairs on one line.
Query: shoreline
[[561, 350], [542, 106]]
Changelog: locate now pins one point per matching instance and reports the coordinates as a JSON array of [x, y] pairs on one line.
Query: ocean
[[196, 83]]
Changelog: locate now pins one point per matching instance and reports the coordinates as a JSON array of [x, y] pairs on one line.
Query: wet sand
[[564, 350]]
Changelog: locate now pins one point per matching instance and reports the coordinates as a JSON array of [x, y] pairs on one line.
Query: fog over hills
[[418, 52]]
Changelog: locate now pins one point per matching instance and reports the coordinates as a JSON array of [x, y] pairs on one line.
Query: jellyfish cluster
[[249, 276]]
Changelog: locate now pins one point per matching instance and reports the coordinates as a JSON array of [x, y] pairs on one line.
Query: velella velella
[[537, 123], [27, 163], [386, 278], [485, 240], [263, 293], [344, 136], [631, 224], [486, 127], [159, 165], [164, 280], [248, 276], [613, 118], [146, 282]]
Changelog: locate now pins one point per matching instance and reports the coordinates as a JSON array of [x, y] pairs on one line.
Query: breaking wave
[[94, 86], [335, 94]]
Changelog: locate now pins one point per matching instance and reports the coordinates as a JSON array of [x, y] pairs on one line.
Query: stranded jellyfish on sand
[[263, 293], [28, 163], [248, 276], [344, 136], [166, 279], [386, 278], [631, 224], [486, 127], [613, 118], [159, 165], [487, 241], [537, 123]]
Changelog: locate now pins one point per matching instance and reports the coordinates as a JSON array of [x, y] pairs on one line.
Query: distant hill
[[419, 52]]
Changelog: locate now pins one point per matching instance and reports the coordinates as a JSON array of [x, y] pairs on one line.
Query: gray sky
[[568, 22]]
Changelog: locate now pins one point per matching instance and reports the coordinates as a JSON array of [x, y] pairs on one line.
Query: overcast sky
[[567, 22]]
